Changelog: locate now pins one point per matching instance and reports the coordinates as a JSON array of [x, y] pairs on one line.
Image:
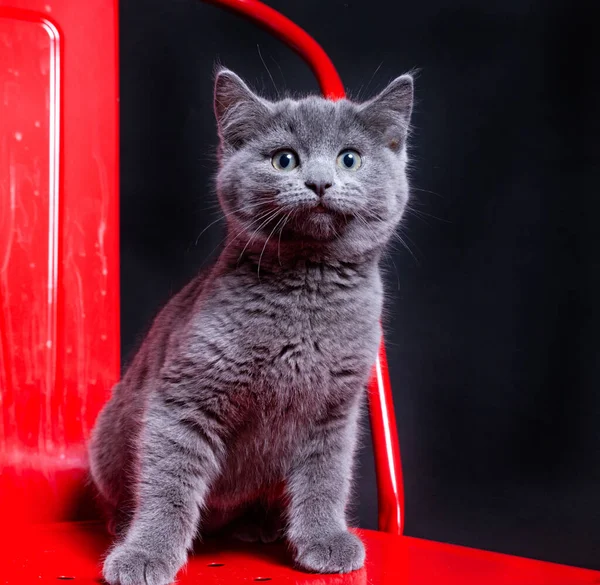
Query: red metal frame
[[390, 483], [293, 36], [59, 320], [59, 247]]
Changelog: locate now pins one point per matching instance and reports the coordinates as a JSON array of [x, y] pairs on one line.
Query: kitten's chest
[[306, 338], [313, 340]]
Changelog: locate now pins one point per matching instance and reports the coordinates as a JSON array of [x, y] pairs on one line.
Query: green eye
[[285, 160], [349, 160]]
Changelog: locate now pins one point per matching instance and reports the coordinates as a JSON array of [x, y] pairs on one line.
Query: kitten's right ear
[[240, 113]]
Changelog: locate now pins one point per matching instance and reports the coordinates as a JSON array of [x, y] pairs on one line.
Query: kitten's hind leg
[[111, 463], [118, 519]]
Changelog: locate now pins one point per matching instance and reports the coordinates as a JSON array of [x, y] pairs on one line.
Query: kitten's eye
[[349, 160], [285, 160]]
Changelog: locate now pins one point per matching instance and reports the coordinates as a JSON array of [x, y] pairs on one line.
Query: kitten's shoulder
[[177, 311]]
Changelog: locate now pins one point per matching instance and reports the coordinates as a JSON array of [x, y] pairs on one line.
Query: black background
[[492, 326]]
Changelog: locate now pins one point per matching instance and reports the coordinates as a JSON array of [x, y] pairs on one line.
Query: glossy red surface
[[47, 554], [59, 256], [59, 310], [390, 486]]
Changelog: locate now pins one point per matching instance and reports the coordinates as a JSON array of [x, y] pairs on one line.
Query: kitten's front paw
[[129, 565], [341, 553]]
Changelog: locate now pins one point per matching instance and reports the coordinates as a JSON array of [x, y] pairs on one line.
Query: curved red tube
[[388, 466], [390, 490], [296, 38]]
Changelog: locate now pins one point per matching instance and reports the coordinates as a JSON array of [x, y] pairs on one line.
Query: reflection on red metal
[[59, 255], [296, 38], [71, 551], [390, 487], [383, 421], [59, 322]]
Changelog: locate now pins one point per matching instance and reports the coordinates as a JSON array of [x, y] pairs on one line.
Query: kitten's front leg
[[179, 459], [318, 487]]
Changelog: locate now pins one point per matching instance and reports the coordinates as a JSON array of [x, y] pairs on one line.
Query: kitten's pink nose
[[318, 187]]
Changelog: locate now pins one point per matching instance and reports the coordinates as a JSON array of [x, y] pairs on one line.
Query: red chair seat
[[73, 551]]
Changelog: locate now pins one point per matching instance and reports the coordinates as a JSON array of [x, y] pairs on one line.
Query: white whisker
[[270, 217], [287, 218], [223, 215], [265, 246]]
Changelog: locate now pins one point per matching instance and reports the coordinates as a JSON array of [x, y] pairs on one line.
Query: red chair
[[59, 321]]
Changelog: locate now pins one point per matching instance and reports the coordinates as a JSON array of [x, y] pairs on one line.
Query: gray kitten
[[240, 410]]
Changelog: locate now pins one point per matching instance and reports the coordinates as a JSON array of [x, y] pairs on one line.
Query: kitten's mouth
[[317, 221]]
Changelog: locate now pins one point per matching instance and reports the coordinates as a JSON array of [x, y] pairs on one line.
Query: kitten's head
[[312, 172]]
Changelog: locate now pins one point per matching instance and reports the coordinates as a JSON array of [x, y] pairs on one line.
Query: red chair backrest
[[59, 257], [59, 263]]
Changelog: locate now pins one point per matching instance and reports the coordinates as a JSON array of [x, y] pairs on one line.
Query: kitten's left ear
[[390, 111], [240, 113]]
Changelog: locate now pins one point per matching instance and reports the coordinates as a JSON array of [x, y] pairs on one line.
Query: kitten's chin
[[319, 226]]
